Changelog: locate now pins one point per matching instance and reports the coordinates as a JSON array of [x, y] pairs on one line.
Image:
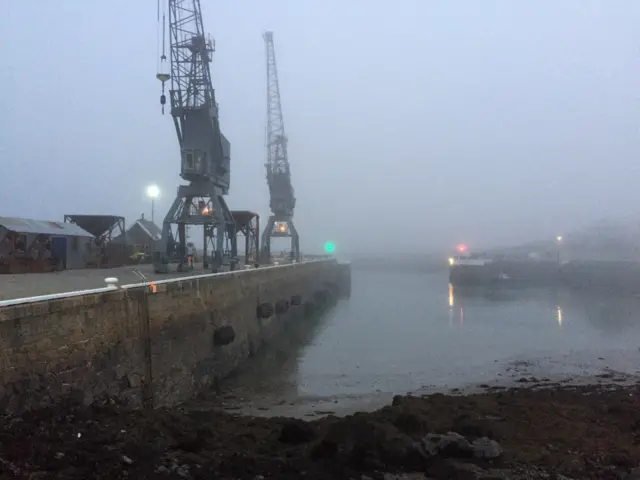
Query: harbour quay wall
[[153, 344]]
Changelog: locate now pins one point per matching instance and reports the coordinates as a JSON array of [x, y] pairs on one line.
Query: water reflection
[[559, 315], [608, 312], [396, 334], [274, 370], [611, 312], [460, 310]]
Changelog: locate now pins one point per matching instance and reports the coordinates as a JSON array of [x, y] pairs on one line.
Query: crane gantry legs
[[280, 227], [198, 204]]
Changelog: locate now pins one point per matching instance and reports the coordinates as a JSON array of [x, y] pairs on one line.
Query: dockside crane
[[204, 150], [282, 199]]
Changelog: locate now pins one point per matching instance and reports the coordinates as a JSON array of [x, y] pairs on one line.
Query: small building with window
[[37, 245], [141, 237]]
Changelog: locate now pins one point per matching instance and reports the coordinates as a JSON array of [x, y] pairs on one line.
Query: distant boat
[[472, 269], [469, 260]]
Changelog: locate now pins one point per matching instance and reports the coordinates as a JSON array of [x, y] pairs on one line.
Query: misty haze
[[411, 127], [252, 219]]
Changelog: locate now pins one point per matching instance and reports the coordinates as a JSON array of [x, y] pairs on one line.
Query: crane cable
[[161, 58], [158, 37]]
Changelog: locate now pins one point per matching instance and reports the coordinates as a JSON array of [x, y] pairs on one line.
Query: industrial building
[[104, 228], [41, 246], [141, 236]]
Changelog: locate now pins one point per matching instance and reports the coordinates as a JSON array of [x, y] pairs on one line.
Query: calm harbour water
[[410, 332]]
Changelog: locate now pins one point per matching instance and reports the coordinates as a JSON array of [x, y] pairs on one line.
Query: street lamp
[[153, 192], [559, 240]]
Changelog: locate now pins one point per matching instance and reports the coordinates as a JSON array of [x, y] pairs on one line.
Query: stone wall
[[153, 348]]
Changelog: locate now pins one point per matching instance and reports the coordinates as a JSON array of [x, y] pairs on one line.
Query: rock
[[127, 460], [224, 336], [134, 379], [409, 422], [404, 476], [495, 475], [296, 431], [183, 471], [474, 427], [120, 371], [634, 474], [38, 475], [324, 449], [454, 470], [486, 448], [449, 445], [88, 398], [371, 444]]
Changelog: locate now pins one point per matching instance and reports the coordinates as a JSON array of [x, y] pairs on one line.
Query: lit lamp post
[[153, 192], [559, 240]]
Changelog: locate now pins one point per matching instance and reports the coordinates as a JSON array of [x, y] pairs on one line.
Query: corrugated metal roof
[[42, 227]]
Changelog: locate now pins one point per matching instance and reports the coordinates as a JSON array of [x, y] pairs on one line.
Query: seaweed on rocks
[[583, 432]]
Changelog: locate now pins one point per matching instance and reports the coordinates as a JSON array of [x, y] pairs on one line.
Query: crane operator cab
[[194, 163]]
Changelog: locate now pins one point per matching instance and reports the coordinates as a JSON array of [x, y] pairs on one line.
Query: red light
[[461, 248]]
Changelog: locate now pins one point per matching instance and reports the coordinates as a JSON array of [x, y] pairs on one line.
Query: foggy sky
[[412, 124]]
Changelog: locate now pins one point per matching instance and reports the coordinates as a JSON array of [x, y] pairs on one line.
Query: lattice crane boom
[[282, 197], [278, 172], [204, 150]]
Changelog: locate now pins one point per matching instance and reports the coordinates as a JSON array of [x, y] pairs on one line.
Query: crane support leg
[[295, 242], [199, 203], [278, 227]]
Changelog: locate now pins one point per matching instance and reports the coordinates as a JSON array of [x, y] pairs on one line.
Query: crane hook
[[163, 77]]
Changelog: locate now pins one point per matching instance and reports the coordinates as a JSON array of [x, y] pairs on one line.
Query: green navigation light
[[329, 247]]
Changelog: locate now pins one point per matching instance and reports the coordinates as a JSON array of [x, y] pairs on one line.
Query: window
[[75, 244]]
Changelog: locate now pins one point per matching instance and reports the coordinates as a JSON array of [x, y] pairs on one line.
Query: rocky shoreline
[[561, 432]]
